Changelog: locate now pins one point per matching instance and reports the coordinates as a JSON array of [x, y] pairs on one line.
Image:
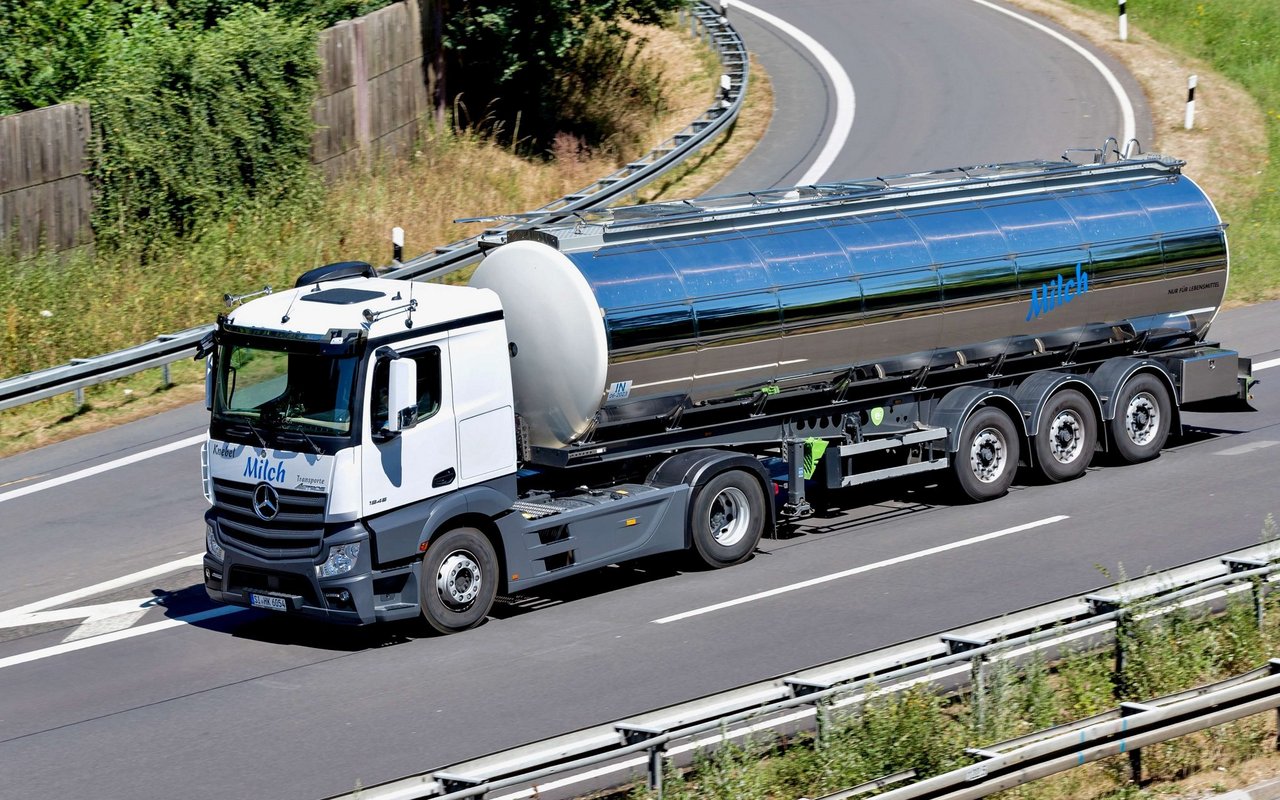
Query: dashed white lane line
[[1275, 362], [846, 102], [986, 537], [101, 468], [1241, 449]]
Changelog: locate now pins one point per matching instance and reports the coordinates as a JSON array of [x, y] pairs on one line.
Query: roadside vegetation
[[922, 730], [1233, 46], [58, 307]]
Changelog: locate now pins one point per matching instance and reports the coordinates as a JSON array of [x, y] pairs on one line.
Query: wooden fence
[[373, 88], [44, 195], [375, 91]]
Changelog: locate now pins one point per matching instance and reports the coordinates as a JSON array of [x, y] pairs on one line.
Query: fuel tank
[[641, 311]]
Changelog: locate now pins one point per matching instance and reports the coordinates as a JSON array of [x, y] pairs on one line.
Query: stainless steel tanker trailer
[[649, 379]]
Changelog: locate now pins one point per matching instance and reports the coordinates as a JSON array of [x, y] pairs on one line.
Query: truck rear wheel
[[1141, 423], [987, 458], [1067, 435], [727, 518], [459, 580]]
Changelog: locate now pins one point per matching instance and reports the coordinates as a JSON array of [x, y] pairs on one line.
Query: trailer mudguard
[[956, 406], [1032, 394], [1112, 375]]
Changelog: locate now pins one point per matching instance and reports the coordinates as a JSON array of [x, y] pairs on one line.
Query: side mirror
[[208, 383], [402, 395]]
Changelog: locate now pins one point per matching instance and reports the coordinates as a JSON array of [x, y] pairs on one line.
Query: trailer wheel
[[1141, 423], [727, 518], [459, 580], [987, 458], [1066, 436]]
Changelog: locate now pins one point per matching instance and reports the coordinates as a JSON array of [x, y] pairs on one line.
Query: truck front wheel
[[987, 458], [727, 518], [459, 580]]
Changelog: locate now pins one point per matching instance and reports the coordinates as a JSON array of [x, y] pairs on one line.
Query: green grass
[[81, 303], [1241, 40]]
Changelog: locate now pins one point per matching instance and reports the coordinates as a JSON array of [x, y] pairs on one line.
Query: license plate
[[268, 601]]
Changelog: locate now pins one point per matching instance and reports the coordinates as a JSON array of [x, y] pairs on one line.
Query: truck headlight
[[341, 560], [211, 543]]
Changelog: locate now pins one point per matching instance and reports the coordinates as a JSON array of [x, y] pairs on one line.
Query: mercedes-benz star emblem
[[266, 501]]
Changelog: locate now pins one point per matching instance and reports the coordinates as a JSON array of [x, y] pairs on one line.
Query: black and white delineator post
[[397, 244], [1191, 103], [1124, 23]]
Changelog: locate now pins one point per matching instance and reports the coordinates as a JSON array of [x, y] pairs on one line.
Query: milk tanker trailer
[[644, 380]]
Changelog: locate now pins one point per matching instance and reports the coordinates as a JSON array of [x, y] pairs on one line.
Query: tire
[[1141, 424], [458, 581], [727, 518], [987, 458], [1066, 436]]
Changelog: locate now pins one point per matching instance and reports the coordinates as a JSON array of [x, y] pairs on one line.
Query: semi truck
[[684, 377]]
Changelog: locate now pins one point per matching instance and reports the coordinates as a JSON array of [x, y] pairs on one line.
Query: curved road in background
[[937, 84], [132, 693]]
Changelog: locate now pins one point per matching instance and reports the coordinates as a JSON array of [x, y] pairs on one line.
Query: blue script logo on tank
[[1057, 293], [261, 469]]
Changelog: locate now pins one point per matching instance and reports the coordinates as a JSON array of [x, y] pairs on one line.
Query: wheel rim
[[988, 454], [1142, 419], [458, 579], [1066, 437], [729, 516]]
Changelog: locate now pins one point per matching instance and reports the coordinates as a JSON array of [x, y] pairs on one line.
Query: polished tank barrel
[[617, 321]]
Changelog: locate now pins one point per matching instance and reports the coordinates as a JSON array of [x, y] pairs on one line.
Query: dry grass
[[450, 176]]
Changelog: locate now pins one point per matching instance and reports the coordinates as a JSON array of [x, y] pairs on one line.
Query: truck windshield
[[288, 392]]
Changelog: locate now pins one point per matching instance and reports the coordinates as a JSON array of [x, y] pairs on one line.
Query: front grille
[[242, 578], [296, 532]]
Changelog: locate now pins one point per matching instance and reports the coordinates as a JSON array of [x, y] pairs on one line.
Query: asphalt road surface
[[140, 688]]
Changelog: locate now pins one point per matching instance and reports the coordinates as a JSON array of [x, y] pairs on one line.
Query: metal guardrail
[[704, 20], [1125, 729], [645, 742]]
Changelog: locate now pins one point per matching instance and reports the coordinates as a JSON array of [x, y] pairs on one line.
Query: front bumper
[[363, 596]]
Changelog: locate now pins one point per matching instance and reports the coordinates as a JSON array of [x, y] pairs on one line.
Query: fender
[[1108, 379], [1035, 391], [956, 406], [401, 533], [694, 468]]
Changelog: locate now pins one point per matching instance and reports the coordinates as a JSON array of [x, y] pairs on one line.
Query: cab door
[[419, 462]]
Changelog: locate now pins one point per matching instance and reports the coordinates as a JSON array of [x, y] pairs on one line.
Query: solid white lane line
[[83, 644], [840, 83], [1126, 106], [107, 586], [101, 468], [1275, 362], [986, 537]]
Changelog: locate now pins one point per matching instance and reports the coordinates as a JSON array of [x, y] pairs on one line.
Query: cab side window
[[428, 361]]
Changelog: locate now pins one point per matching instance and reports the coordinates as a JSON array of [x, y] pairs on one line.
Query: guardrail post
[[1135, 755], [79, 395], [657, 760], [1274, 664], [1259, 584], [822, 717], [1100, 605]]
